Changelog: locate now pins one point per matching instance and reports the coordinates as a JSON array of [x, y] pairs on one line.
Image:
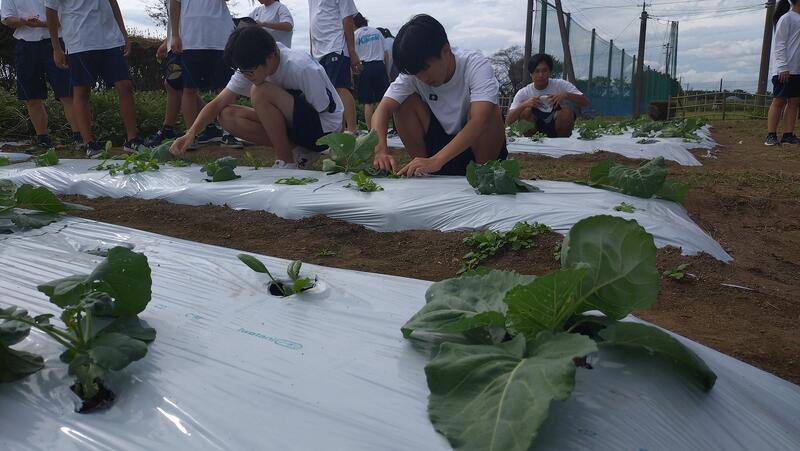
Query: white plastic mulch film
[[235, 368], [15, 157], [430, 203], [673, 149]]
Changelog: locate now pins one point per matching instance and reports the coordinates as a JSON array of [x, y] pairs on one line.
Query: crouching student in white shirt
[[294, 102], [551, 104], [445, 104]]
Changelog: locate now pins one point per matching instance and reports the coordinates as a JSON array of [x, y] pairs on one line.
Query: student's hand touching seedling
[[420, 167], [180, 145], [383, 160]]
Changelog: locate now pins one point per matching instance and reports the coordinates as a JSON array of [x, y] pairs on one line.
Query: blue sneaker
[[230, 141], [212, 134]]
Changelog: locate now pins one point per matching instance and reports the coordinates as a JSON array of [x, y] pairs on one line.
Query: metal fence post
[[608, 75], [622, 74], [569, 26], [591, 63], [543, 30]]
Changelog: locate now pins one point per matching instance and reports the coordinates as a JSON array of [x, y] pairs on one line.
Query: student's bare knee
[[779, 102], [124, 87], [80, 93], [794, 101], [262, 93]]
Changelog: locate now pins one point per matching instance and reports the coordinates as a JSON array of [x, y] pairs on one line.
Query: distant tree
[[157, 11], [508, 68]]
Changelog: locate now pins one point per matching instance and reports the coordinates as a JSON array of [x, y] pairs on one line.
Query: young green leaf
[[4, 161], [546, 303], [364, 183], [115, 351], [221, 170], [622, 259], [16, 365], [656, 341], [625, 208], [40, 199], [49, 158], [495, 398], [519, 129], [254, 263], [293, 270], [497, 177], [348, 154], [296, 181]]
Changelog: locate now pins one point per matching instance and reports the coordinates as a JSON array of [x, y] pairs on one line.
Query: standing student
[[373, 79], [200, 29], [444, 103], [34, 63], [96, 45], [294, 102], [333, 44], [786, 78], [275, 17], [388, 42], [551, 104]]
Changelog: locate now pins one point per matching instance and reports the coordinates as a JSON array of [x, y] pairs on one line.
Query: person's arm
[[517, 108], [349, 37], [284, 22], [161, 52], [206, 116], [781, 59], [380, 123], [121, 24], [52, 27], [175, 25]]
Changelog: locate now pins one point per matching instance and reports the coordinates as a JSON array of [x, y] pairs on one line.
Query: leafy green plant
[[327, 253], [646, 181], [296, 181], [625, 208], [296, 283], [31, 208], [487, 243], [49, 158], [179, 163], [4, 161], [510, 343], [497, 177], [647, 141], [519, 129], [101, 332], [253, 162], [348, 153], [363, 183], [132, 164], [537, 137], [595, 128], [677, 273], [221, 170], [679, 128]]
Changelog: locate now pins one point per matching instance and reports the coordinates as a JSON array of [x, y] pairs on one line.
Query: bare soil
[[745, 196]]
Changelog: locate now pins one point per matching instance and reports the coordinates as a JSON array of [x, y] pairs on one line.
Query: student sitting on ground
[[97, 44], [445, 104], [294, 102], [548, 103], [373, 79]]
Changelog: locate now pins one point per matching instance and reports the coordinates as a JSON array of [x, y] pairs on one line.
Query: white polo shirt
[[23, 9], [205, 24], [276, 12], [87, 25], [369, 44], [554, 86], [327, 33]]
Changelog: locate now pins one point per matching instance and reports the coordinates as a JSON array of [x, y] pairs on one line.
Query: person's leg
[[66, 103], [275, 109], [411, 121], [243, 122], [790, 115], [774, 115], [564, 122], [127, 107], [38, 115], [81, 113], [369, 110], [173, 105], [350, 121], [490, 143]]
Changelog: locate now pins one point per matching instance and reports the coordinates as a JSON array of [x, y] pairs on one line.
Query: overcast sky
[[717, 38]]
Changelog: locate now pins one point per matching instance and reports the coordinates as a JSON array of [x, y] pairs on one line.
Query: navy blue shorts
[[34, 65], [372, 82], [306, 126], [173, 71], [205, 70], [546, 122], [436, 139], [337, 66], [789, 89], [109, 64]]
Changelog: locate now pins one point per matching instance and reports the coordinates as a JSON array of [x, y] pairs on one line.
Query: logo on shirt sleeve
[[433, 97]]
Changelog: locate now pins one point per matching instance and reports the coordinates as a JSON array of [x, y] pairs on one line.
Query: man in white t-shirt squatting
[[294, 102], [548, 103], [445, 104]]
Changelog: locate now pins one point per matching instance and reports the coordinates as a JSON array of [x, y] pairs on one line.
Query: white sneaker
[[304, 157], [280, 164]]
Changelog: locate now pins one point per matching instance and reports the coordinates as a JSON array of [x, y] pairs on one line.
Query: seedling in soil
[[509, 340], [678, 273], [179, 163], [488, 243], [101, 332], [348, 153], [646, 181], [625, 208], [49, 158], [221, 170], [296, 283], [327, 253], [296, 181], [497, 177], [255, 163], [31, 208], [519, 129], [363, 183]]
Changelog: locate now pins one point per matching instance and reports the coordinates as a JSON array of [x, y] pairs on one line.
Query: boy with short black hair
[[445, 104], [551, 104], [373, 79], [96, 46], [294, 102], [200, 29], [34, 63]]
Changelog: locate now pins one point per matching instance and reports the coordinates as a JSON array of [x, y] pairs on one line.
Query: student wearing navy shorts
[[373, 79]]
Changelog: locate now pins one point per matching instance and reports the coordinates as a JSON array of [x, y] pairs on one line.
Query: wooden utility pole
[[637, 94], [528, 37], [565, 43], [766, 48]]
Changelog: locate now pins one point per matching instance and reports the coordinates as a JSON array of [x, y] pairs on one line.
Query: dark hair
[[783, 7], [419, 40], [244, 22], [540, 58], [385, 32], [360, 21], [249, 47]]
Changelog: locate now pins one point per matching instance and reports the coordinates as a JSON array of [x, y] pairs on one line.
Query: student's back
[[369, 44], [87, 25], [205, 24]]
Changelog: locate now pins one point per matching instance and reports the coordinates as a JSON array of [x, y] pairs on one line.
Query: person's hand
[[177, 45], [355, 62], [420, 167], [533, 102], [783, 77], [180, 145], [126, 47], [60, 59], [558, 97], [34, 22], [383, 160], [161, 53]]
